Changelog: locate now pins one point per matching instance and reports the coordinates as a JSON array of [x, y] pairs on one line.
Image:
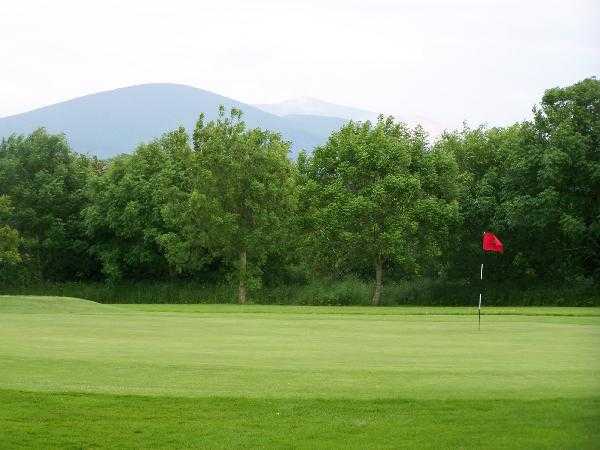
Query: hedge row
[[421, 292]]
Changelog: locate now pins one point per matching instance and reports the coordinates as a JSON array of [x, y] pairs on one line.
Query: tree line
[[377, 201]]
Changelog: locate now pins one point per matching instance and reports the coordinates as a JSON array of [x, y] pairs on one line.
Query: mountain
[[316, 107], [304, 106], [319, 125], [112, 122]]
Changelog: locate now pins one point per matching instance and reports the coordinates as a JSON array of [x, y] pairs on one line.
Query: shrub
[[350, 291]]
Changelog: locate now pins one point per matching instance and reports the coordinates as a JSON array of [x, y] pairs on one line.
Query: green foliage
[[9, 237], [376, 194], [327, 292], [124, 218], [228, 205], [563, 206], [482, 156], [237, 200], [536, 184], [45, 181]]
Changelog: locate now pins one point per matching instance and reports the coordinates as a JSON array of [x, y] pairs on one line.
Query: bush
[[351, 291]]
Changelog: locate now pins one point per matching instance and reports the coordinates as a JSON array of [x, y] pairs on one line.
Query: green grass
[[35, 420], [78, 374], [32, 304], [391, 310]]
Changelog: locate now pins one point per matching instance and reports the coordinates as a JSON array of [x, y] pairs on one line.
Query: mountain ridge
[[315, 107], [139, 113], [116, 121]]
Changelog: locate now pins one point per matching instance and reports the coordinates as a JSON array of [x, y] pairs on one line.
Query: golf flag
[[491, 243]]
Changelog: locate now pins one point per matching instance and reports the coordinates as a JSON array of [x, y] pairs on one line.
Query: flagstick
[[479, 308]]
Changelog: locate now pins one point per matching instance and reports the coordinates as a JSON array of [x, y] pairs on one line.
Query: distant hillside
[[318, 125], [313, 107], [316, 107], [113, 122]]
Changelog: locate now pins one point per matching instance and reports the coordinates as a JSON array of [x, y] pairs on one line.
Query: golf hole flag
[[491, 243]]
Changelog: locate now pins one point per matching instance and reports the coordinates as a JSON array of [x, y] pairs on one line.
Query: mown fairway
[[79, 374]]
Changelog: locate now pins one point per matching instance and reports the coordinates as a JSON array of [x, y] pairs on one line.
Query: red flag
[[491, 243]]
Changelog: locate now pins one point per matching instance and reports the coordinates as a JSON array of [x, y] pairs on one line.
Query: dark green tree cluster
[[376, 194], [45, 183], [9, 237], [376, 201], [538, 185]]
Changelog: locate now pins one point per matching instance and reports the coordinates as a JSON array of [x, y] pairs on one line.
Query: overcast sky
[[483, 61]]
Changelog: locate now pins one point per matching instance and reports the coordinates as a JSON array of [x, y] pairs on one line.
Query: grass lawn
[[79, 374]]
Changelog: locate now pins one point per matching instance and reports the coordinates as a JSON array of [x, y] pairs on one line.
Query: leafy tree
[[537, 184], [483, 158], [375, 199], [46, 181], [240, 196], [124, 218], [376, 193], [9, 237], [555, 177]]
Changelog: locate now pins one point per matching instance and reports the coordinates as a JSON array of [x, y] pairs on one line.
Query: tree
[[45, 181], [376, 193], [555, 175], [483, 158], [537, 184], [9, 237], [124, 219], [239, 198]]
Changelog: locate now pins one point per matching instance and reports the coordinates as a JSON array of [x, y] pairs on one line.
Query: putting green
[[78, 374], [276, 352]]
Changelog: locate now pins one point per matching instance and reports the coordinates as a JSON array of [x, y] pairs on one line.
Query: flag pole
[[480, 288], [490, 243]]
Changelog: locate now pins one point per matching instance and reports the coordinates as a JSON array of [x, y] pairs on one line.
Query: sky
[[447, 61]]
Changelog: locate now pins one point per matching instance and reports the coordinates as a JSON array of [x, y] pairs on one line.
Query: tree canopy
[[238, 197], [9, 237], [376, 193], [377, 200], [45, 182]]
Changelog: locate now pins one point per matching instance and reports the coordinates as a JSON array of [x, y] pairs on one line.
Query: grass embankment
[[218, 376]]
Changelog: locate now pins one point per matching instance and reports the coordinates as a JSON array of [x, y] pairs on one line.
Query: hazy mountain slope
[[318, 125], [113, 122], [316, 107]]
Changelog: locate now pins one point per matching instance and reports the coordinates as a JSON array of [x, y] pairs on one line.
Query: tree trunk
[[243, 268], [378, 281]]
